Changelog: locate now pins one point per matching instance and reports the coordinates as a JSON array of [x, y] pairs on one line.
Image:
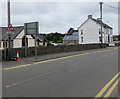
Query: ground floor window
[[100, 39], [0, 44], [81, 39], [5, 44]]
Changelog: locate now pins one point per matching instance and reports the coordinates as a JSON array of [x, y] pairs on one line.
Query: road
[[82, 75]]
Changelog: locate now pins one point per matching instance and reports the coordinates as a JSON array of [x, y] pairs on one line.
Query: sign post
[[31, 29], [9, 30]]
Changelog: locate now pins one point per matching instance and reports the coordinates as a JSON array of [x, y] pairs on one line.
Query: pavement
[[88, 73], [29, 60]]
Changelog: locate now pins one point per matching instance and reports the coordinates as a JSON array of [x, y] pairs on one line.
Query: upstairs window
[[81, 32], [99, 31]]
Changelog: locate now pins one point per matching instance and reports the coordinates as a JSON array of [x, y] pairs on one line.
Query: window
[[81, 32], [4, 44], [0, 44], [100, 39], [81, 39], [99, 31]]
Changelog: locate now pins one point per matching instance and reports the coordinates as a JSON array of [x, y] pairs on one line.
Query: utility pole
[[101, 21], [9, 22]]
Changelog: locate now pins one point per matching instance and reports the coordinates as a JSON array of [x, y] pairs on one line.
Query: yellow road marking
[[112, 88], [107, 86], [20, 66]]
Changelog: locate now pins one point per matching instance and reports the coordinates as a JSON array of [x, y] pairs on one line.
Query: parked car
[[12, 55]]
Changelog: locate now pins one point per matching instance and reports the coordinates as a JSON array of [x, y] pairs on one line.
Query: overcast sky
[[59, 16]]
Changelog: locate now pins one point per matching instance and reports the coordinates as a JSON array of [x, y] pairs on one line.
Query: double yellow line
[[113, 83]]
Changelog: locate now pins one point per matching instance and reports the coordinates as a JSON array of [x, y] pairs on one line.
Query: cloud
[[58, 16]]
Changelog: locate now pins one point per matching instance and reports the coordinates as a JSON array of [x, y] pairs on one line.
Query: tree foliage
[[54, 37]]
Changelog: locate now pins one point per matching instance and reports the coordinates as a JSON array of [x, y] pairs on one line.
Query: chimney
[[99, 19], [90, 16]]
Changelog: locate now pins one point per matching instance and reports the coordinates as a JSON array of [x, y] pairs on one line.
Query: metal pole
[[25, 39], [9, 21], [101, 21], [36, 39]]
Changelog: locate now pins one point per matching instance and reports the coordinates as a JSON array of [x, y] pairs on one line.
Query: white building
[[89, 32], [18, 38]]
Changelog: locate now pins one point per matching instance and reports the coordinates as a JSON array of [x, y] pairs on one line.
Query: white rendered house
[[90, 32], [18, 38]]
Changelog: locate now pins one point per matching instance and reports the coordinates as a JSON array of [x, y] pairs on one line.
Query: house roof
[[103, 24], [4, 35], [97, 21], [70, 37], [39, 37], [71, 31]]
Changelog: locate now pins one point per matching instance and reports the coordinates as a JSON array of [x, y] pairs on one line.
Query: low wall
[[117, 44], [55, 49]]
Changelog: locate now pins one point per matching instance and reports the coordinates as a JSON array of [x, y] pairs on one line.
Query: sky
[[59, 16]]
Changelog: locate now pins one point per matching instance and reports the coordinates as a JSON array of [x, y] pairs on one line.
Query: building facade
[[18, 38], [90, 32]]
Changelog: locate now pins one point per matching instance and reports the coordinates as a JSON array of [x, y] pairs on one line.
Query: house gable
[[20, 35], [88, 25]]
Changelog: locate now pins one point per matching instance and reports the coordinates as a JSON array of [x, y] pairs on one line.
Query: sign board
[[31, 28], [10, 28]]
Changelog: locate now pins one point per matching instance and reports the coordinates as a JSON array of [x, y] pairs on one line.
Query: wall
[[56, 49], [17, 43], [68, 42], [90, 32], [31, 41]]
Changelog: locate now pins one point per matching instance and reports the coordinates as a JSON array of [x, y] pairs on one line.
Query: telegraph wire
[[110, 6]]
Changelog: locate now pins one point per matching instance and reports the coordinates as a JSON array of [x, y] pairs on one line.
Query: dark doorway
[[23, 41]]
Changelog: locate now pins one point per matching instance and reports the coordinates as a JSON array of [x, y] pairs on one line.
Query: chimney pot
[[89, 16]]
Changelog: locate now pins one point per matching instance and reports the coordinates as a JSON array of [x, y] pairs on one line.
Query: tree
[[54, 37]]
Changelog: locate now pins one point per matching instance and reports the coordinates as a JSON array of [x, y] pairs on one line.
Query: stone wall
[[55, 49]]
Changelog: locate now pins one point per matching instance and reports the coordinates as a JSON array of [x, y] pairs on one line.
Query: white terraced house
[[90, 32]]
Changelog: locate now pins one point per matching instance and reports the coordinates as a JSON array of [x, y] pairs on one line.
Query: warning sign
[[10, 28]]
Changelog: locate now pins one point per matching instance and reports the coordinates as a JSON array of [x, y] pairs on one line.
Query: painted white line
[[30, 79]]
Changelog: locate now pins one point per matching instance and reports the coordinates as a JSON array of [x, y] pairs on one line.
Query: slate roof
[[75, 34], [4, 35], [40, 37], [97, 21], [103, 24], [70, 37]]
